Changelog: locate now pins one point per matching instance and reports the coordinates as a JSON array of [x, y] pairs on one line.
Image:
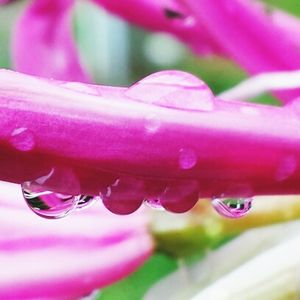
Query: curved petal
[[43, 44], [170, 16], [242, 30], [66, 258], [231, 148]]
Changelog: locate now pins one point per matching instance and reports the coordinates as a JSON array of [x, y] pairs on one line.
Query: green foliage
[[136, 285]]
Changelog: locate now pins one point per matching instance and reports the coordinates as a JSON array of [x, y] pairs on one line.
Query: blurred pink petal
[[43, 42], [66, 258], [248, 36], [174, 17], [242, 30]]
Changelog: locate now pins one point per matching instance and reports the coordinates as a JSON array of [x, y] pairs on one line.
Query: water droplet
[[286, 168], [152, 123], [84, 201], [47, 204], [154, 203], [232, 207], [180, 196], [22, 139], [173, 89], [124, 196], [187, 159]]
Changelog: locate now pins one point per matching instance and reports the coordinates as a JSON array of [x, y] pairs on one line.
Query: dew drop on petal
[[286, 168], [187, 158], [181, 196], [173, 89], [232, 207], [22, 139], [84, 201], [152, 123], [47, 204], [124, 196]]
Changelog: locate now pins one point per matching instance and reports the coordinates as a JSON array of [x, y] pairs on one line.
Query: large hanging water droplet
[[124, 196], [84, 201], [232, 207], [47, 204], [187, 159]]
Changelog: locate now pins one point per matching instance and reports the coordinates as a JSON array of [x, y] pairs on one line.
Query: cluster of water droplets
[[123, 198], [51, 205]]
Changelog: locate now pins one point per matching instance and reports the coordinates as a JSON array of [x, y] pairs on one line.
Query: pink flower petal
[[66, 258], [87, 141], [170, 16], [43, 44], [246, 34], [242, 30]]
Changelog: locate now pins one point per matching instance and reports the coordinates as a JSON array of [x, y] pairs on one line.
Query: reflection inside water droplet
[[124, 196], [22, 139], [47, 204], [232, 207], [84, 201]]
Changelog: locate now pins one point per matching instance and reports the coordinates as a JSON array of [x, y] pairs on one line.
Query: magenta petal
[[67, 258], [43, 44], [247, 34], [92, 139], [173, 16]]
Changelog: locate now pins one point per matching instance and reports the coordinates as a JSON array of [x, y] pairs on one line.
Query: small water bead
[[84, 201], [152, 123], [47, 204], [22, 139], [187, 158], [232, 207], [180, 196]]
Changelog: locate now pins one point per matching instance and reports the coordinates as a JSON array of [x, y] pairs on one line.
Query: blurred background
[[116, 53]]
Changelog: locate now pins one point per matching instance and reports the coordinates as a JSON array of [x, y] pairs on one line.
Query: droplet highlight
[[47, 204], [286, 168], [233, 208], [187, 158], [124, 196], [22, 139]]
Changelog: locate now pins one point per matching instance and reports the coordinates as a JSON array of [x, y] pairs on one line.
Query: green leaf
[[136, 285]]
